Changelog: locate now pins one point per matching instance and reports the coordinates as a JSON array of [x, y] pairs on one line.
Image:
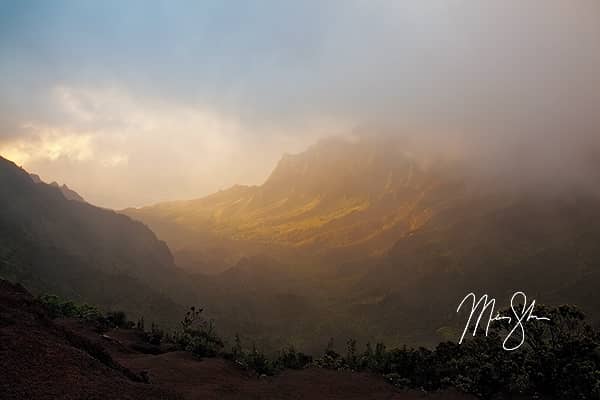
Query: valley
[[355, 236]]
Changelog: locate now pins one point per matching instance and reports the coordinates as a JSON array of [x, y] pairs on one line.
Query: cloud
[[48, 144], [212, 93], [121, 150]]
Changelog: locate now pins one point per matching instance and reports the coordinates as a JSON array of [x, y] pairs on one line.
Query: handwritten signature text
[[522, 313]]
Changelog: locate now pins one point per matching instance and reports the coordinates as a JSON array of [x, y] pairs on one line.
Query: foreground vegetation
[[560, 358]]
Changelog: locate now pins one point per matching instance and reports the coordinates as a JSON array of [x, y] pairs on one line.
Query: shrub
[[59, 308], [292, 359], [560, 359], [198, 336], [155, 336], [256, 361], [117, 319], [331, 359]]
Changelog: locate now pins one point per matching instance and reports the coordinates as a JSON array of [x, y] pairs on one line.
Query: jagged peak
[[66, 191]]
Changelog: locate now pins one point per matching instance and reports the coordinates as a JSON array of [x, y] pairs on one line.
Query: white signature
[[520, 316]]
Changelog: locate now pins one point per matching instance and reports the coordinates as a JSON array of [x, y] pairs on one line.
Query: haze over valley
[[280, 199], [342, 240]]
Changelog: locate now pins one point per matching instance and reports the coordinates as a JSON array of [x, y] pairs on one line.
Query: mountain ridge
[[69, 193], [369, 250], [71, 248], [337, 196]]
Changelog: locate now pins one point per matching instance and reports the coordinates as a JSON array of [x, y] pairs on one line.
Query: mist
[[137, 103]]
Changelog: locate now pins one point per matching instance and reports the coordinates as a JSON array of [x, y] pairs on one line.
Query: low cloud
[[120, 150], [176, 102]]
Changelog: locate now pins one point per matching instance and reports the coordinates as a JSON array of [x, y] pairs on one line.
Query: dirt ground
[[42, 358]]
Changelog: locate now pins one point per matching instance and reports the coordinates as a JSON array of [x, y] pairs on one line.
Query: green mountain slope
[[384, 244], [545, 245], [71, 248], [339, 199]]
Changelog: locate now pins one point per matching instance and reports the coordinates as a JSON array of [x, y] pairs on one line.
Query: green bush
[[59, 308], [258, 362], [117, 319], [331, 359], [292, 359], [198, 336], [155, 336], [560, 359]]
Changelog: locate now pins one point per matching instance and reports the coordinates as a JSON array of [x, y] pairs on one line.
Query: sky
[[136, 102]]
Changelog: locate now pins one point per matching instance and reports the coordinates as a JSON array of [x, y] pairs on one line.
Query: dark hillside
[[54, 245], [43, 360], [67, 359]]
